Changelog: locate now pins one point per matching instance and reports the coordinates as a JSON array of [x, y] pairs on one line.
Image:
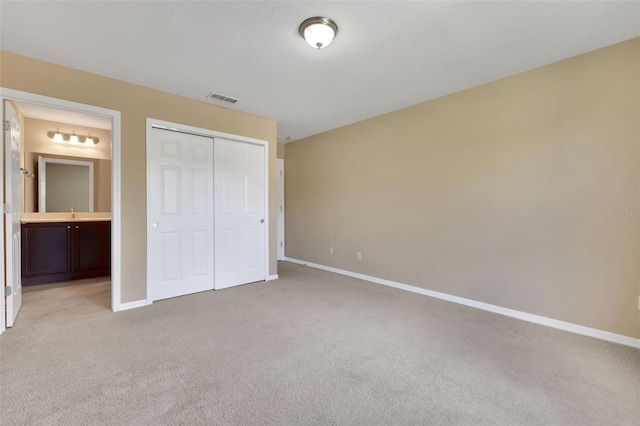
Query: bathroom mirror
[[64, 183]]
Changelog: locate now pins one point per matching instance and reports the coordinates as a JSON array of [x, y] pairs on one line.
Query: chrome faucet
[[73, 211]]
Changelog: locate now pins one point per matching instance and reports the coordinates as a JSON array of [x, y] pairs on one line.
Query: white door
[[240, 213], [180, 216], [12, 197], [280, 209], [2, 241]]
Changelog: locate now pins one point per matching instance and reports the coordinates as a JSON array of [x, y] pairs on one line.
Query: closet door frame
[[166, 125]]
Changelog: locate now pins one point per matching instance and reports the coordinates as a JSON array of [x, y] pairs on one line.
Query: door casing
[[280, 209], [16, 95]]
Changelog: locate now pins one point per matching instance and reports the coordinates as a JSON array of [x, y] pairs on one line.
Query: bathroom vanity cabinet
[[62, 251]]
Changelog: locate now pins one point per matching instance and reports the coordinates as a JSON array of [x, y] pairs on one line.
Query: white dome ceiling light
[[318, 31]]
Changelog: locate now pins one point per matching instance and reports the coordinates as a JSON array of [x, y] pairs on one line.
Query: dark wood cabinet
[[63, 251], [46, 249], [93, 246]]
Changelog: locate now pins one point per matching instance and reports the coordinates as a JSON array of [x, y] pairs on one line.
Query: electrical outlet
[[359, 255], [330, 250]]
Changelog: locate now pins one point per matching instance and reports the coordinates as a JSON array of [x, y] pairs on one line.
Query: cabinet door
[[46, 249], [93, 246]]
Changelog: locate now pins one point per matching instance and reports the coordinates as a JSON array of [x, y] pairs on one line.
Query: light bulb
[[319, 35], [74, 139], [57, 137]]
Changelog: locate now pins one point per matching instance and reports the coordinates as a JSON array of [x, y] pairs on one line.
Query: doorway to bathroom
[[61, 202]]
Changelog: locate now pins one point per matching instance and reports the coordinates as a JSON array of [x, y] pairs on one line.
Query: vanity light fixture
[[318, 31], [57, 136], [72, 138]]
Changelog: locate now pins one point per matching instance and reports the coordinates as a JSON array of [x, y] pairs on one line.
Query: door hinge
[[7, 291], [6, 125], [6, 208]]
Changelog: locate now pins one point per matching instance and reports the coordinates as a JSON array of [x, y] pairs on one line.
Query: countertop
[[80, 219], [64, 217]]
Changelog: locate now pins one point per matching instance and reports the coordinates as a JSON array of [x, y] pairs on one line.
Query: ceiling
[[387, 54], [62, 116]]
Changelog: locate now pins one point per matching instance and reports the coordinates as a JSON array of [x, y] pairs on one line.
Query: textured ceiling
[[387, 55]]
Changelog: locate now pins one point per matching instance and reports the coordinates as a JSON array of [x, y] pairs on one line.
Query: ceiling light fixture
[[318, 31], [60, 137]]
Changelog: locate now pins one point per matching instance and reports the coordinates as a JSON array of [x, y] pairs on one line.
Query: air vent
[[222, 98]]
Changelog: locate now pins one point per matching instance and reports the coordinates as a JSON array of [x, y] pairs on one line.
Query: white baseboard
[[549, 322], [272, 277], [133, 305]]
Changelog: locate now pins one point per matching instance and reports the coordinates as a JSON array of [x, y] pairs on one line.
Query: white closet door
[[180, 226], [240, 224]]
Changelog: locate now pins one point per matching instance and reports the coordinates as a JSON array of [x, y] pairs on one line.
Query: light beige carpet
[[65, 300], [311, 348]]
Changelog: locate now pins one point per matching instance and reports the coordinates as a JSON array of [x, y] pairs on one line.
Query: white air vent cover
[[223, 98]]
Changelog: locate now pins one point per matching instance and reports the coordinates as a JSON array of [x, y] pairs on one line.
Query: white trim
[[133, 305], [148, 127], [42, 178], [167, 125], [537, 319], [267, 246], [116, 214], [280, 199], [272, 277]]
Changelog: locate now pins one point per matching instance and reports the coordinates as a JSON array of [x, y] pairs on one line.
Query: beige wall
[[281, 150], [136, 103], [498, 193], [29, 184], [102, 170]]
